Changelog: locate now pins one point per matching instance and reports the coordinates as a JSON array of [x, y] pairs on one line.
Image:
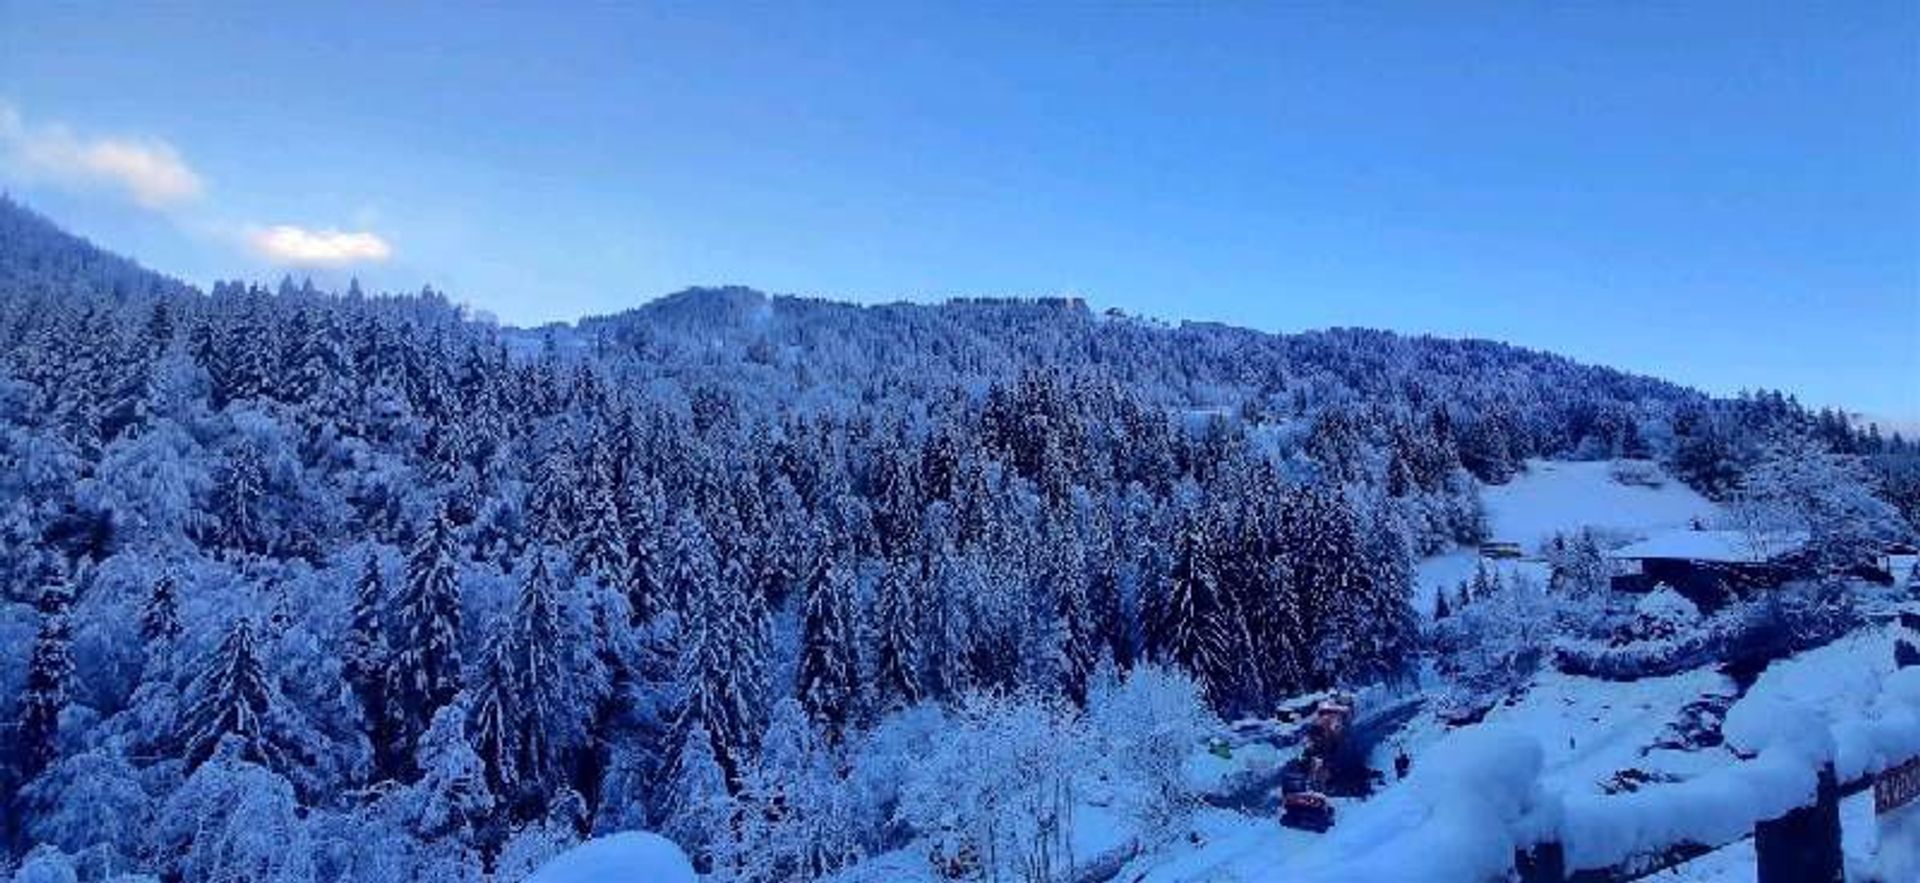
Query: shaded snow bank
[[1475, 799], [627, 857]]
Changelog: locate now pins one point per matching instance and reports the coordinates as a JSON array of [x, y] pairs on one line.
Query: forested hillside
[[304, 585]]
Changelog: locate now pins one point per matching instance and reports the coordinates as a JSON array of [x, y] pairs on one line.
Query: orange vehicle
[[1303, 781]]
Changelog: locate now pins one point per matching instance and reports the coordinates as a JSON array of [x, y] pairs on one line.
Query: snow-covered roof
[[1722, 546]]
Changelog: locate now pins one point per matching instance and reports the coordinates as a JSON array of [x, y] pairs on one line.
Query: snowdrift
[[627, 857]]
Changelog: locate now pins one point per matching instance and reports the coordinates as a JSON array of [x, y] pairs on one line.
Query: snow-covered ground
[[626, 857], [1553, 496]]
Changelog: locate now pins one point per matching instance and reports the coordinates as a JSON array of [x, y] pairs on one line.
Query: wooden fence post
[[1541, 863], [1803, 846]]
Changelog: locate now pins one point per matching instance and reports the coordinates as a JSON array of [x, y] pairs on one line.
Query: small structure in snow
[[1709, 566], [1499, 550], [626, 857]]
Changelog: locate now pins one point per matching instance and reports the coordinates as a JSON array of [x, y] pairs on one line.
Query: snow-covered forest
[[302, 585]]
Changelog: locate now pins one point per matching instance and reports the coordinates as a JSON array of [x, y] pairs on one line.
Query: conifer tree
[[160, 615], [600, 552], [553, 504], [425, 674], [232, 698], [49, 683], [644, 580], [241, 501], [713, 671], [544, 719], [828, 680], [1079, 650], [368, 657], [1193, 636], [897, 656], [492, 729], [700, 809]]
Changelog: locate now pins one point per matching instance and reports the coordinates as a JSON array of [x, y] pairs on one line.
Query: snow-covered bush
[[1787, 620], [1661, 615], [1145, 727], [1634, 660], [995, 798], [1660, 637], [1490, 647], [1637, 473], [1577, 562]]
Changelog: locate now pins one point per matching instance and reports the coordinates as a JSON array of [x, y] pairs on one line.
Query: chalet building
[[1709, 567]]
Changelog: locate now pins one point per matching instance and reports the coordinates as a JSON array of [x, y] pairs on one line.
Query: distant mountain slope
[[37, 258]]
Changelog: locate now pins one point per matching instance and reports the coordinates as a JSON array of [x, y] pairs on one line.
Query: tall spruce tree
[[425, 675], [368, 658], [828, 681], [897, 656], [49, 683], [233, 698], [160, 615], [1192, 633]]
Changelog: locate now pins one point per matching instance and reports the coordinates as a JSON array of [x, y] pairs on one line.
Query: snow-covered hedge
[[1658, 641]]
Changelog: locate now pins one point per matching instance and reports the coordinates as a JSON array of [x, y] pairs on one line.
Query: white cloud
[[147, 170], [299, 246]]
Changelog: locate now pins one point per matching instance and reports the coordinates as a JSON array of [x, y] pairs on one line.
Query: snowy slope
[[1552, 497]]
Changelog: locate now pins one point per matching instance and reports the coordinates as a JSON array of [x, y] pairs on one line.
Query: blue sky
[[1726, 195]]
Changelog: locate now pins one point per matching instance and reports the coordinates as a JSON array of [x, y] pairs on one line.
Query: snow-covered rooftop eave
[[1712, 547]]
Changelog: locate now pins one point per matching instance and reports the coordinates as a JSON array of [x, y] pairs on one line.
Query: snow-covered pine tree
[[160, 615], [545, 718], [240, 502], [897, 655], [645, 521], [949, 628], [600, 547], [49, 683], [715, 671], [232, 698], [828, 681], [1321, 559], [700, 808], [747, 623], [788, 821], [1192, 635], [1374, 629], [425, 674], [691, 568], [1067, 578], [451, 805], [492, 727], [553, 505], [367, 658]]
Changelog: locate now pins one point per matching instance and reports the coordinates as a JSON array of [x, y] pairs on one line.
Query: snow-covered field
[[1554, 496]]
